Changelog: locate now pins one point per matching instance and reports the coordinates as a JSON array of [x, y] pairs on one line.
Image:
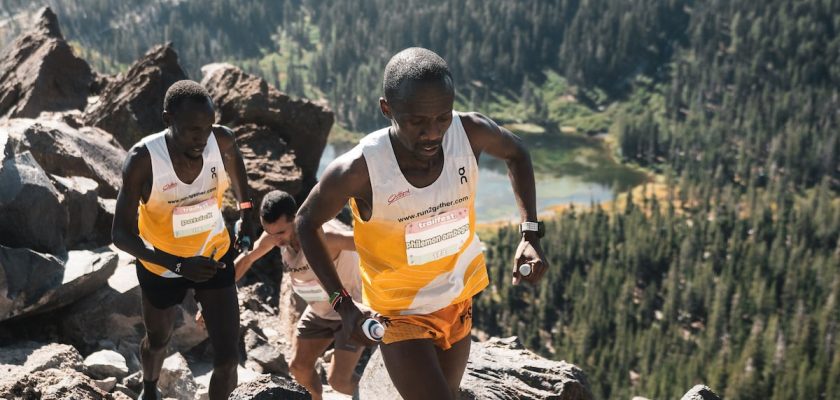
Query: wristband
[[337, 297]]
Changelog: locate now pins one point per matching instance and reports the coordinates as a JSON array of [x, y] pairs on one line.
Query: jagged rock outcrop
[[497, 369], [269, 388], [64, 150], [31, 213], [32, 282], [268, 162], [700, 392], [243, 99], [176, 380], [81, 202], [39, 72], [54, 384], [131, 106]]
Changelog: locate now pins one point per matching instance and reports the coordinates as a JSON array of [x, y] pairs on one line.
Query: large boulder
[[497, 369], [39, 72], [54, 384], [700, 392], [243, 99], [82, 204], [131, 106], [176, 380], [268, 162], [31, 213], [22, 359], [270, 387], [64, 150], [32, 282]]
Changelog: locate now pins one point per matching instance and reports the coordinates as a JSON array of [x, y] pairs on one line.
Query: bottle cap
[[373, 329], [525, 269]]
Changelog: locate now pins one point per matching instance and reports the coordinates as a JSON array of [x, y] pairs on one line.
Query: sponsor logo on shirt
[[169, 185], [462, 172], [396, 196]]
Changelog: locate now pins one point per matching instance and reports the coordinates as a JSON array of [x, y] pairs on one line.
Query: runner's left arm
[[235, 167], [488, 137]]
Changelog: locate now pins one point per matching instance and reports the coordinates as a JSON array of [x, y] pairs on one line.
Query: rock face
[[176, 380], [242, 99], [31, 213], [54, 384], [22, 360], [700, 392], [39, 72], [81, 202], [497, 369], [63, 150], [32, 282], [268, 388], [131, 105]]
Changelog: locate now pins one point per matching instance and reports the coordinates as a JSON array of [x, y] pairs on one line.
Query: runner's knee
[[298, 367], [342, 384], [157, 341], [225, 364]]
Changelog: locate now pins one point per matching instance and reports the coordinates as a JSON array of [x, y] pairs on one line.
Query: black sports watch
[[531, 226]]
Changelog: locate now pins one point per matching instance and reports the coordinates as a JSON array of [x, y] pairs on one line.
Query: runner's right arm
[[245, 260], [346, 177], [137, 175]]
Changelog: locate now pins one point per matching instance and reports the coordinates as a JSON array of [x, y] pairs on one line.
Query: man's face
[[281, 232], [190, 123], [420, 116]]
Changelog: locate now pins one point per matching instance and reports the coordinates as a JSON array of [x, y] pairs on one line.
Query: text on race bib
[[310, 290], [436, 237], [195, 219]]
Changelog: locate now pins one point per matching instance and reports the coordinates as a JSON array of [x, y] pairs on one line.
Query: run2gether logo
[[399, 195]]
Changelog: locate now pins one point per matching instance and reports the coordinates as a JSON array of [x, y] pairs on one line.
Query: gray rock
[[700, 392], [106, 363], [497, 369], [176, 380], [39, 72], [54, 355], [268, 388], [82, 204], [53, 384], [31, 213], [247, 101], [32, 282], [269, 357], [107, 384], [131, 106], [64, 150]]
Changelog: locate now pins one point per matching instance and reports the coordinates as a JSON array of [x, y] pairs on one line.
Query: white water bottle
[[525, 269], [373, 329]]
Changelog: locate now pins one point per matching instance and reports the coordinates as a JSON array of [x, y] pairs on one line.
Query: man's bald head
[[414, 65]]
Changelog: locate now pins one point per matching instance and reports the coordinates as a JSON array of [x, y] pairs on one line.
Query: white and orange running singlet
[[184, 219], [418, 251]]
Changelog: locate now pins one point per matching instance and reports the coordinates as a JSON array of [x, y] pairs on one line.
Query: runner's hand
[[199, 269], [199, 320], [351, 323], [529, 252], [243, 232]]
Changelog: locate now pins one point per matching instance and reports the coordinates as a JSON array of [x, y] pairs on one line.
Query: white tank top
[[181, 218], [306, 284], [418, 250]]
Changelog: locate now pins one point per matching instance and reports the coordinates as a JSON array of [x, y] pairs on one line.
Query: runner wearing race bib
[[168, 216], [412, 190], [319, 325]]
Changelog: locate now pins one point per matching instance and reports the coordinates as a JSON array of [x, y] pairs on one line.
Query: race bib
[[436, 237], [195, 219], [311, 290]]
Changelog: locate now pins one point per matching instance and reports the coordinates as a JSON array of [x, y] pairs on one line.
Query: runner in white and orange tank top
[[168, 215], [412, 190]]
